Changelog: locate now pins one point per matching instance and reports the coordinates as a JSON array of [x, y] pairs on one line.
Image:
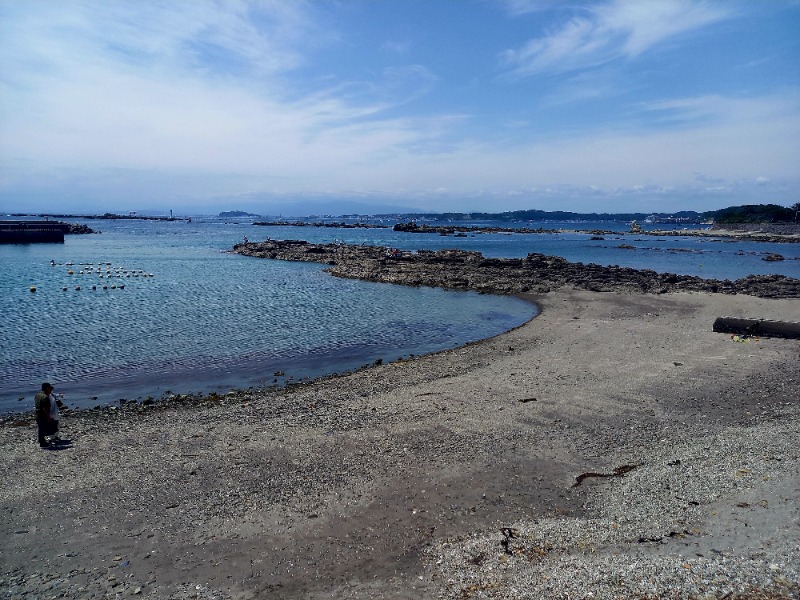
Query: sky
[[370, 106]]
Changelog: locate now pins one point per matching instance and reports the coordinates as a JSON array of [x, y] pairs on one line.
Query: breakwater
[[536, 273], [37, 232], [108, 216]]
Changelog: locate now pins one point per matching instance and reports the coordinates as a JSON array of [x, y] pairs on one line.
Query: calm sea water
[[209, 320]]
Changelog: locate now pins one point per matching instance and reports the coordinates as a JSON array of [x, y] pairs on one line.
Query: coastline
[[536, 273], [396, 481]]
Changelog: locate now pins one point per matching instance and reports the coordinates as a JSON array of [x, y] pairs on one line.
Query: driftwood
[[618, 472], [757, 327]]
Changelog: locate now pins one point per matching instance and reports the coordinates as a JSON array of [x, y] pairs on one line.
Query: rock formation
[[536, 273]]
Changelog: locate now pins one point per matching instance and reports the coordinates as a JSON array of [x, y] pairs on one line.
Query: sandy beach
[[613, 447]]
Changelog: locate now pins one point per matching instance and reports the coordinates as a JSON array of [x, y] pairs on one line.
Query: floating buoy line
[[100, 270]]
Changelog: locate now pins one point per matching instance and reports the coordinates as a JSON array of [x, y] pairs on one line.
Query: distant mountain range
[[559, 215]]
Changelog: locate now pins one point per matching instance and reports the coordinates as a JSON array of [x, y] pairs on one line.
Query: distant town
[[749, 213]]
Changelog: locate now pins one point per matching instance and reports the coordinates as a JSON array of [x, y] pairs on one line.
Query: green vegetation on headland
[[750, 213], [756, 213]]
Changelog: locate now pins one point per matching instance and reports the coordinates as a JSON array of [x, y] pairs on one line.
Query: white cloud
[[732, 151], [123, 85], [165, 38], [199, 100], [603, 32], [707, 109]]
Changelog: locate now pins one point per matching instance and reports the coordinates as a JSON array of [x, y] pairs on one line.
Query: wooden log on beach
[[757, 327]]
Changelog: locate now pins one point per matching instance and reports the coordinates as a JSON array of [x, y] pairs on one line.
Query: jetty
[[32, 232], [114, 217]]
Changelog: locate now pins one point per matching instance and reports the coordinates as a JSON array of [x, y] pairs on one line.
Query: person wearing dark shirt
[[45, 407]]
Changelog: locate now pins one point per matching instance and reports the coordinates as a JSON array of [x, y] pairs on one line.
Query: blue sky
[[422, 105]]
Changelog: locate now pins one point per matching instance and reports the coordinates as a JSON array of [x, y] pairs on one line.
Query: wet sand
[[397, 481]]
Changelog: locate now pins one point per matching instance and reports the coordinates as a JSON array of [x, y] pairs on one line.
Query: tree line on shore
[[748, 213]]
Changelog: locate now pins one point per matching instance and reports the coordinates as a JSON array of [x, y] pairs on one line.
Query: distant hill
[[559, 215], [755, 213], [236, 213], [751, 213]]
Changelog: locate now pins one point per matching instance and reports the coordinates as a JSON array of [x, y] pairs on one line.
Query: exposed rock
[[787, 234], [319, 224], [413, 227], [78, 228], [466, 270]]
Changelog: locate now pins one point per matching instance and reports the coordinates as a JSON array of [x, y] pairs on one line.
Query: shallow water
[[209, 320]]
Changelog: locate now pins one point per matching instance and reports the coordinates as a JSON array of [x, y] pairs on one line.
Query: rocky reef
[[78, 228], [536, 273], [336, 225], [413, 227], [776, 233]]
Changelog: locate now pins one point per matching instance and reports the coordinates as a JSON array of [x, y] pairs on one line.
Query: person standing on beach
[[55, 413], [46, 407]]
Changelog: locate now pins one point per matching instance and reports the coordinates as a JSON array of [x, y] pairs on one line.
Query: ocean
[[163, 307]]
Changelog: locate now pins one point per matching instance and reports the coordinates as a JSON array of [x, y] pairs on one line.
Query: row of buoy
[[94, 287], [121, 286], [110, 274], [102, 270], [69, 264]]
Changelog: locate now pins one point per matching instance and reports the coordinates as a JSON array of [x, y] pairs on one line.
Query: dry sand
[[451, 475]]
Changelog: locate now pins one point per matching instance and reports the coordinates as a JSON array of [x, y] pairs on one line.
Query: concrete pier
[[32, 232]]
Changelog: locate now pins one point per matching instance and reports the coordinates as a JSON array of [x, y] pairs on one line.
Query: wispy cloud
[[191, 85], [174, 38], [585, 85], [600, 33], [210, 99], [396, 46], [715, 109]]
